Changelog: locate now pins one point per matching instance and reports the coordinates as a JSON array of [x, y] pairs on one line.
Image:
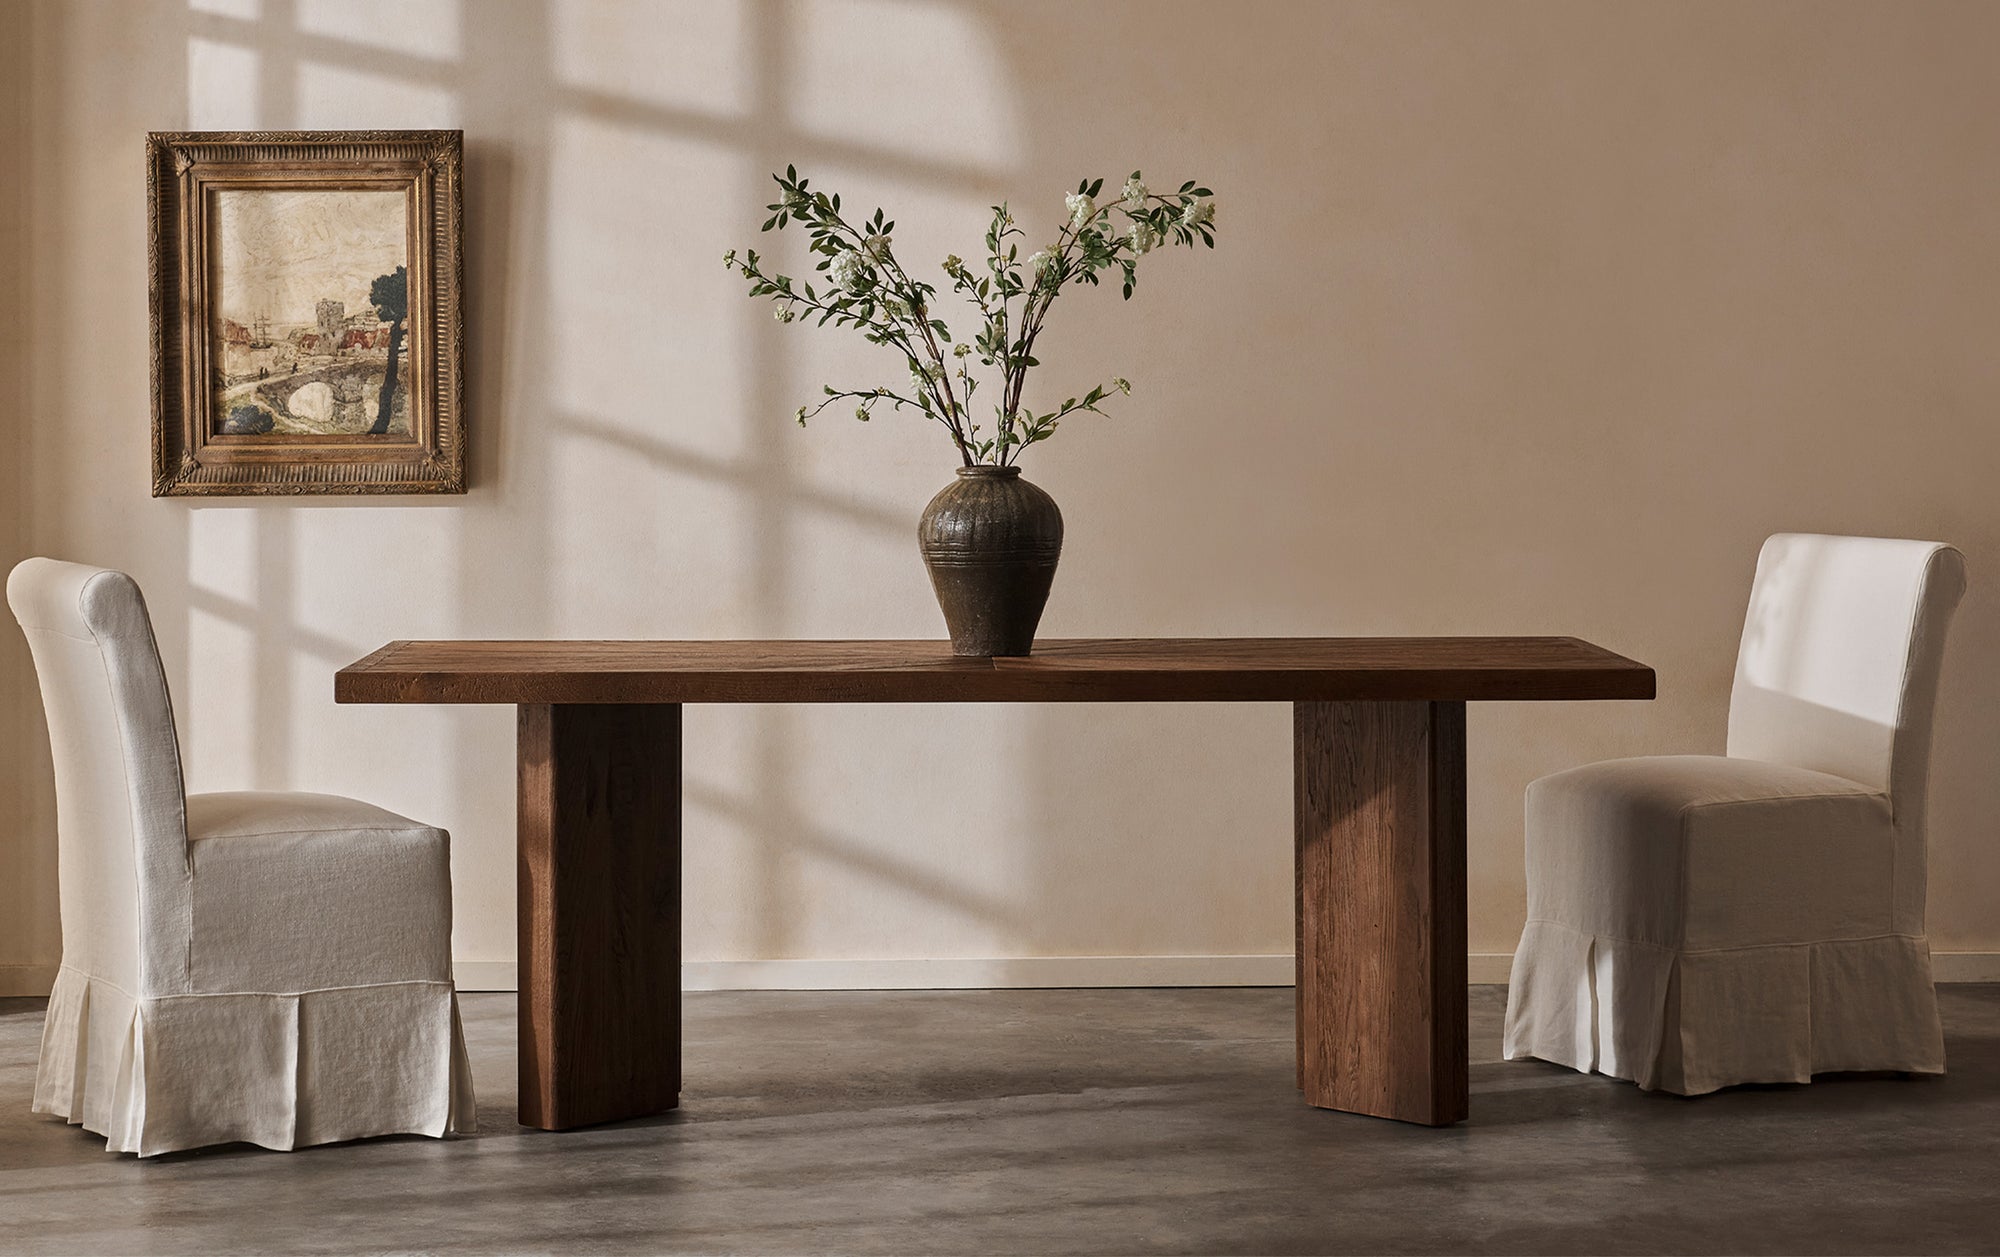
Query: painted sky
[[280, 253]]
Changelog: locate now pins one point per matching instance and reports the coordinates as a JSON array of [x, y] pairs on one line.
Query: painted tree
[[390, 295]]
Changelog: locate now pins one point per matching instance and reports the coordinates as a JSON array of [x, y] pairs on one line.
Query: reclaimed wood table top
[[1197, 669]]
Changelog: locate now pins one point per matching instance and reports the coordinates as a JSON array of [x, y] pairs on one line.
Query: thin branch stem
[[940, 384], [897, 306]]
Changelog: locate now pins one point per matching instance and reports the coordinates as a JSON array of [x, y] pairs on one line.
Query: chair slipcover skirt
[[1695, 1022], [279, 1071]]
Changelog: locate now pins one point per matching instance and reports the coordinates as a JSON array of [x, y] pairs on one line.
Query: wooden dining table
[[1379, 838]]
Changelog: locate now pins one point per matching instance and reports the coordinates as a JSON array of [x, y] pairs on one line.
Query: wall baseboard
[[919, 974], [1483, 968], [486, 975], [1489, 968], [26, 979], [1965, 966]]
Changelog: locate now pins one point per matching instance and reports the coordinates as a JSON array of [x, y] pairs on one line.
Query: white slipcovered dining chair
[[1699, 921], [257, 967]]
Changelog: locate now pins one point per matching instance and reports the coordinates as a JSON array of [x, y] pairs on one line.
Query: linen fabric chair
[[271, 968], [1698, 921]]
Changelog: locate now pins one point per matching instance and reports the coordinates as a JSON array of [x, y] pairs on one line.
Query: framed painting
[[306, 312]]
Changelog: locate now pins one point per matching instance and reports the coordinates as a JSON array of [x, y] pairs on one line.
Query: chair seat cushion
[[1702, 851], [300, 892], [246, 813]]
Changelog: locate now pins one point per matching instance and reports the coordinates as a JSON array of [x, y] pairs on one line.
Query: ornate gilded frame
[[183, 170]]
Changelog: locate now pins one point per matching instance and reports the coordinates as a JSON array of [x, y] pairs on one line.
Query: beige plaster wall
[[1525, 318], [27, 860]]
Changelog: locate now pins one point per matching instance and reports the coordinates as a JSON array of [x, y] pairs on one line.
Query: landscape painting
[[305, 312], [310, 312]]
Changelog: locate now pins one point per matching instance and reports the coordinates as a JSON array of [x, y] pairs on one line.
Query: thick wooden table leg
[[1380, 826], [600, 912]]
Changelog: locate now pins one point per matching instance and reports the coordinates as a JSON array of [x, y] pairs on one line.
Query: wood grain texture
[[1380, 814], [599, 913], [1268, 669]]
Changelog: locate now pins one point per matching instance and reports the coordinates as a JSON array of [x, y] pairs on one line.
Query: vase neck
[[987, 471]]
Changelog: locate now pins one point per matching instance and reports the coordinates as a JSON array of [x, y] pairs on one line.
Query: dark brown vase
[[991, 541]]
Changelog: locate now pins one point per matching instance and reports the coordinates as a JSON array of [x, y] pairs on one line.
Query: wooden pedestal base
[[600, 912], [1380, 827]]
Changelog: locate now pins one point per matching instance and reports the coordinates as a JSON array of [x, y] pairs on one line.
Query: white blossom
[[878, 247], [850, 271], [784, 314], [1197, 213], [1134, 195], [961, 350], [1143, 238], [1081, 208], [1121, 384], [1042, 263]]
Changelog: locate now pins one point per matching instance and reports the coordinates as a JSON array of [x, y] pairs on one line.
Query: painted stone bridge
[[347, 401]]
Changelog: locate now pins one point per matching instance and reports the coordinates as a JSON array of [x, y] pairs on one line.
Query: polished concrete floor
[[1131, 1121]]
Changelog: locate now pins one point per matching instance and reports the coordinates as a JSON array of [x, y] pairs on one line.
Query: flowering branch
[[871, 291]]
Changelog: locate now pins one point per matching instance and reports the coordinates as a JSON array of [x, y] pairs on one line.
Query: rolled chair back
[[1838, 671], [121, 824]]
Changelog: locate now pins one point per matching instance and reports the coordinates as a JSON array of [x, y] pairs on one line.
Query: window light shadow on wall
[[614, 366]]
